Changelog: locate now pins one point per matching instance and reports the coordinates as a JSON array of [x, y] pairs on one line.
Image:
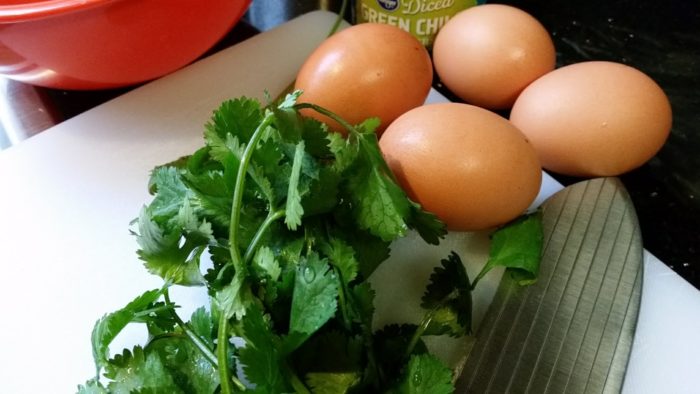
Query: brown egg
[[594, 118], [488, 54], [367, 70], [467, 165]]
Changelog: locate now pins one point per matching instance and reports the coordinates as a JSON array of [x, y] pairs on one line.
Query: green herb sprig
[[294, 220]]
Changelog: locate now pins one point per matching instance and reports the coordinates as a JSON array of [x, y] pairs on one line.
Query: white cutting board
[[68, 194]]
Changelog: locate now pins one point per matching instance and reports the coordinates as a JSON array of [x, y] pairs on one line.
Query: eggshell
[[469, 166], [488, 54], [594, 118], [364, 71]]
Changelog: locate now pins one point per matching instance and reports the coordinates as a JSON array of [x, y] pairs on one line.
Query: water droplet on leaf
[[309, 274], [417, 378]]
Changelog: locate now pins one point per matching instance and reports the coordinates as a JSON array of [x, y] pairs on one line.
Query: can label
[[422, 18]]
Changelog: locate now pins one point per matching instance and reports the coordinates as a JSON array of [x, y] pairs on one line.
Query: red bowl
[[97, 44]]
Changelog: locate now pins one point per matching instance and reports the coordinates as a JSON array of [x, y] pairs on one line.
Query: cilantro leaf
[[190, 370], [392, 342], [314, 300], [252, 215], [162, 251], [381, 205], [287, 119], [157, 245], [260, 357], [294, 210], [343, 150], [229, 154], [234, 299], [330, 361], [109, 326], [265, 167], [263, 184], [323, 193], [342, 256], [448, 297], [446, 281], [200, 162], [266, 265], [518, 247], [290, 99], [316, 137], [170, 192], [211, 196], [293, 127], [330, 351], [203, 325], [426, 374], [370, 251], [429, 227], [238, 117], [363, 300], [224, 148], [159, 318], [139, 370], [92, 386], [220, 274], [332, 382], [368, 126]]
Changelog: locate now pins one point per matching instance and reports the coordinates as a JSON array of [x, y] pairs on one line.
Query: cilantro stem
[[339, 18], [481, 274], [150, 311], [297, 384], [238, 191], [222, 355], [271, 217], [372, 363], [419, 332], [342, 301], [165, 335], [238, 263], [329, 114], [198, 342]]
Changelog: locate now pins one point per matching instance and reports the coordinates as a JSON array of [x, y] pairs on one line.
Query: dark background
[[661, 38]]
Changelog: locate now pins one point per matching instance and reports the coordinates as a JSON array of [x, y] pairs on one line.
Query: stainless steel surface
[[24, 112], [572, 331]]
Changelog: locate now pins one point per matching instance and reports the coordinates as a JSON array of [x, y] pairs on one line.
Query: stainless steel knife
[[570, 332]]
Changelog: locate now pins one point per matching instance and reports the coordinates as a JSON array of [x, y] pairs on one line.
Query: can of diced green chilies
[[422, 18]]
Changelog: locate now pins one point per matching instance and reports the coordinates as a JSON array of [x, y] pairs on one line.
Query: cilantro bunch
[[292, 220]]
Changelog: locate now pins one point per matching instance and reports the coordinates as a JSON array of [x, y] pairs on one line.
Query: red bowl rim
[[41, 9]]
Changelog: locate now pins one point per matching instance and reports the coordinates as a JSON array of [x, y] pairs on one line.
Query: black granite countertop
[[661, 38]]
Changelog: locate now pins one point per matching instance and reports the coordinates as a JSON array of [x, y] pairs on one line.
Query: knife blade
[[571, 331]]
